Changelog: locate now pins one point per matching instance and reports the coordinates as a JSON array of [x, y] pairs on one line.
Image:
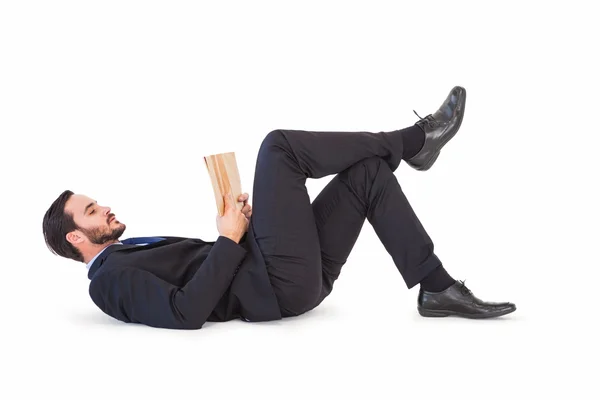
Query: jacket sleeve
[[135, 295]]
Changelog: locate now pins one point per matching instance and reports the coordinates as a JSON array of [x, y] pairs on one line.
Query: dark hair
[[57, 223]]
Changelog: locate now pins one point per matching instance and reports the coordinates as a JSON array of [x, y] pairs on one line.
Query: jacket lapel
[[153, 241]]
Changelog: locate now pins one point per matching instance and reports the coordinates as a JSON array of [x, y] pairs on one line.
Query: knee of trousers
[[274, 138], [373, 166], [363, 175]]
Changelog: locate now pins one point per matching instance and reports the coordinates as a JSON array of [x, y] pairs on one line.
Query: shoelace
[[431, 122], [464, 290]]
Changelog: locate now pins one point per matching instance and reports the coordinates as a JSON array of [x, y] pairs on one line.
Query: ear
[[74, 237]]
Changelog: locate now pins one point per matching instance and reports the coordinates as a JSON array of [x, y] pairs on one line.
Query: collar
[[97, 263], [98, 260], [88, 265]]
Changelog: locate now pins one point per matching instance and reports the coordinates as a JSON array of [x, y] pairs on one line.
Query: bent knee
[[275, 137], [372, 165]]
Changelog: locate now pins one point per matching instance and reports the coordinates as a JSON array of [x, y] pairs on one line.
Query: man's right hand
[[233, 224]]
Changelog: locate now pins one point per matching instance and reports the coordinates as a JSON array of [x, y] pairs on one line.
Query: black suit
[[182, 282], [294, 249]]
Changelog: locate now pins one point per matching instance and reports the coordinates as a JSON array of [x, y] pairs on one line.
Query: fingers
[[228, 200], [247, 211], [241, 197], [230, 203]]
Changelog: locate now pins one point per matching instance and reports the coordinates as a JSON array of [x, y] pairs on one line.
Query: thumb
[[228, 197]]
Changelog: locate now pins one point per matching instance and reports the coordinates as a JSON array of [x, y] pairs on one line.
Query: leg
[[369, 190], [283, 219]]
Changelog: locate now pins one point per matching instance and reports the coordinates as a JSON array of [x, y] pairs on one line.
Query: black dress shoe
[[459, 300], [439, 128]]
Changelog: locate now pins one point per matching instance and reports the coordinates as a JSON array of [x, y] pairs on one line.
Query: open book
[[224, 175]]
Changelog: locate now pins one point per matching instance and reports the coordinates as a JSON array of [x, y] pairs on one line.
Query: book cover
[[224, 175]]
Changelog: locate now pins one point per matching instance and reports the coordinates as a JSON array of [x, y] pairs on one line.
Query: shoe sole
[[447, 137], [446, 313]]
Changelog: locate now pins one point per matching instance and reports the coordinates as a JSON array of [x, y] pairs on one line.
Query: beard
[[102, 236]]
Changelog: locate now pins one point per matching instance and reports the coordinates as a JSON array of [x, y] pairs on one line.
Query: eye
[[92, 212]]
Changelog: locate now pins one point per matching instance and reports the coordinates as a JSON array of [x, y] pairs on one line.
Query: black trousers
[[305, 245]]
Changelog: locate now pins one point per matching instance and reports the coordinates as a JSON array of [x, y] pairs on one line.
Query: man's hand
[[233, 223], [247, 209]]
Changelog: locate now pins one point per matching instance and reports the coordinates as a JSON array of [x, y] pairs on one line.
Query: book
[[224, 176]]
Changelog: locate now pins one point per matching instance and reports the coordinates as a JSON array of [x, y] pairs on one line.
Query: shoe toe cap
[[506, 307]]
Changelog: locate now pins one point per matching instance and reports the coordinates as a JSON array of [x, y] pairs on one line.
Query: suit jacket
[[180, 283]]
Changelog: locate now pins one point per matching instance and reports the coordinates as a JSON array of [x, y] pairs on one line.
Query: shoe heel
[[431, 313]]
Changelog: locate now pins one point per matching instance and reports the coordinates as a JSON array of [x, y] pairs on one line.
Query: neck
[[94, 249]]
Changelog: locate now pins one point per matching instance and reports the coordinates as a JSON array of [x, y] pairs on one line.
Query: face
[[97, 225]]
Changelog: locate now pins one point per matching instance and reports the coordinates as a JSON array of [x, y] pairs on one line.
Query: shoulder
[[108, 290], [108, 281]]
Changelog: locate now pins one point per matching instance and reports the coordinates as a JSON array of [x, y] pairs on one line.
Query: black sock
[[437, 280], [413, 138]]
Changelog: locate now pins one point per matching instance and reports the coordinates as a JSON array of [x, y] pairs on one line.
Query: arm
[[135, 295]]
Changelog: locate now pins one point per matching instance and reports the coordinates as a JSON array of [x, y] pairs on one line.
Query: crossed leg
[[305, 245], [369, 190]]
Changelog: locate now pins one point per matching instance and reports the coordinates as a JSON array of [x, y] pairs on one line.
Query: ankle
[[413, 139], [438, 280]]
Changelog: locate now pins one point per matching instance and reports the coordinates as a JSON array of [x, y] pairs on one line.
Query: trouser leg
[[283, 219], [369, 190]]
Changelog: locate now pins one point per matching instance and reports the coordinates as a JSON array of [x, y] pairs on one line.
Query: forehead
[[77, 203]]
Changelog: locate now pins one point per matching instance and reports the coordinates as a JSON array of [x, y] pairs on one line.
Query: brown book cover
[[224, 176]]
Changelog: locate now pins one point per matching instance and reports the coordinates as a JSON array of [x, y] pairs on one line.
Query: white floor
[[119, 101], [366, 339]]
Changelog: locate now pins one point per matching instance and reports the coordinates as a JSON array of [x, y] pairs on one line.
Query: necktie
[[142, 240]]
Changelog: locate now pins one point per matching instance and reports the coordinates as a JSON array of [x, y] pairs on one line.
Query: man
[[281, 258]]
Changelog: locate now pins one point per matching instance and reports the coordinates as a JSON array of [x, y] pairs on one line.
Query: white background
[[93, 92]]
